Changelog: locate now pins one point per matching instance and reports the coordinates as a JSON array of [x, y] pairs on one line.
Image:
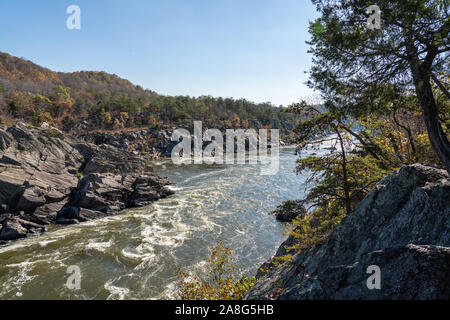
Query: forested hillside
[[105, 101]]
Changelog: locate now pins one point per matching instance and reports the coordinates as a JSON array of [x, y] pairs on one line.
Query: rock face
[[149, 143], [48, 177], [402, 226]]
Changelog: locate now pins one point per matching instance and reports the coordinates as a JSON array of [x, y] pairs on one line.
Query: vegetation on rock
[[385, 105], [219, 282]]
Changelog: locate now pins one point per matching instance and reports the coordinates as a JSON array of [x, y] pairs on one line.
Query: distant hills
[[105, 101]]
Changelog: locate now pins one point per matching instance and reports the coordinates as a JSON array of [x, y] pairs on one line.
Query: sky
[[252, 49]]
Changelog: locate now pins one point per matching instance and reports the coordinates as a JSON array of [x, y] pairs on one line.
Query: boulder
[[54, 196], [31, 198], [12, 229], [147, 189], [98, 191], [109, 193], [4, 208], [289, 211], [68, 215]]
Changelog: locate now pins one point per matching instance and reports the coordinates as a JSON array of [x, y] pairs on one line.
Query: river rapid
[[135, 255]]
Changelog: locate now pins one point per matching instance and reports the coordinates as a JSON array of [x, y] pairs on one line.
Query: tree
[[152, 122], [123, 117], [60, 93], [117, 123], [324, 127], [244, 123], [106, 117], [236, 121], [353, 65]]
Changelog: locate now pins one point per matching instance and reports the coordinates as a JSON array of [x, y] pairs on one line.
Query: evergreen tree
[[354, 64]]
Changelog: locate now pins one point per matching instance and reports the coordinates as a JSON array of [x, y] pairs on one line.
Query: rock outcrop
[[289, 211], [149, 143], [48, 177], [402, 227]]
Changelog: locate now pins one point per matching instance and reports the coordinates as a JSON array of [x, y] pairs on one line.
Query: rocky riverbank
[[148, 143], [402, 226], [47, 177]]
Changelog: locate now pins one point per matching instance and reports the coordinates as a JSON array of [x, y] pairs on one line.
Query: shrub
[[287, 205], [52, 133], [218, 283], [106, 117], [308, 231], [41, 116]]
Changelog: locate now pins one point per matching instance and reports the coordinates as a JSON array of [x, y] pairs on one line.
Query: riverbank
[[135, 255], [401, 227], [48, 177]]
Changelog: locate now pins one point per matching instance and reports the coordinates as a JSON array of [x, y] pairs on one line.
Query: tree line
[[36, 94]]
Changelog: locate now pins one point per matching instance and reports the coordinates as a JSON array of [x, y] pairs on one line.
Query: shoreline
[[47, 177]]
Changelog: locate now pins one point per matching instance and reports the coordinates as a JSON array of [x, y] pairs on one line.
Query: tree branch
[[440, 85]]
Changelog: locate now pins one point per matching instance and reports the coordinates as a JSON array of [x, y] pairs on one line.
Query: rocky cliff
[[47, 177], [150, 143], [402, 227]]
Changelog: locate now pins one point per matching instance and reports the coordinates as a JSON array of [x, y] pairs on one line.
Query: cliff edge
[[402, 227]]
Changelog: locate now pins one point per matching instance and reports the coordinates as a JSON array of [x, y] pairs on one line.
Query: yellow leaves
[[106, 117], [218, 282]]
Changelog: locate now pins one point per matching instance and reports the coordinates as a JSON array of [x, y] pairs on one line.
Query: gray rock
[[68, 215], [4, 208], [148, 143], [12, 229], [6, 140], [109, 193], [402, 226], [39, 177], [31, 198]]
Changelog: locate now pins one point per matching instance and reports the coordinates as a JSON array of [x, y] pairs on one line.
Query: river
[[135, 255]]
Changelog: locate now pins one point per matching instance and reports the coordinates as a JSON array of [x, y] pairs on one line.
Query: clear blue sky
[[253, 49]]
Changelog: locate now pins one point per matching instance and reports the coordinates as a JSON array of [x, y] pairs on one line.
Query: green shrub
[[52, 133], [287, 206], [310, 230]]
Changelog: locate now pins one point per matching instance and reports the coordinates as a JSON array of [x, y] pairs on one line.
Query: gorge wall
[[47, 177]]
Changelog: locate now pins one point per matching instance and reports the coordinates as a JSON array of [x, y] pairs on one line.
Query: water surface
[[135, 255]]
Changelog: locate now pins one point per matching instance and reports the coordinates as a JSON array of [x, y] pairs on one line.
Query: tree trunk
[[348, 205], [436, 135]]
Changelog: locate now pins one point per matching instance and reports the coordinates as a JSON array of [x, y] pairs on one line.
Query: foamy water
[[135, 255]]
